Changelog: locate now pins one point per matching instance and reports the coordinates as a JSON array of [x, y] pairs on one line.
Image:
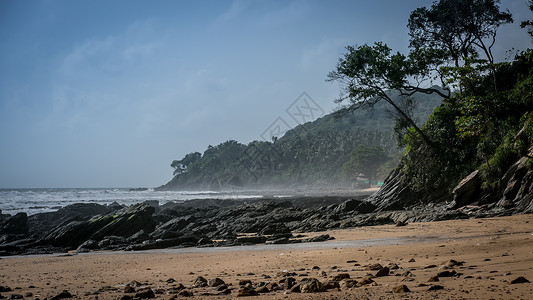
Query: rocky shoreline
[[206, 223]]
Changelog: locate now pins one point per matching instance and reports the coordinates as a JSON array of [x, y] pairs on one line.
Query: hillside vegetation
[[311, 154]]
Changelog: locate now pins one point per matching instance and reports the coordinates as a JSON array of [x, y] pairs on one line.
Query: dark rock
[[341, 276], [245, 291], [185, 293], [348, 283], [145, 293], [4, 289], [128, 221], [200, 282], [17, 224], [347, 206], [129, 289], [434, 279], [244, 282], [63, 295], [520, 279], [332, 284], [467, 191], [365, 280], [275, 228], [311, 285], [16, 296], [446, 273], [126, 297], [319, 238], [401, 289], [401, 223], [251, 240], [435, 288], [383, 272], [215, 282], [374, 267], [288, 282]]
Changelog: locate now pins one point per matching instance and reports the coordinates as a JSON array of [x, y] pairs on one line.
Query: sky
[[108, 93]]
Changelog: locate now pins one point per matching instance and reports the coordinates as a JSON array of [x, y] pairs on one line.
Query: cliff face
[[514, 195]]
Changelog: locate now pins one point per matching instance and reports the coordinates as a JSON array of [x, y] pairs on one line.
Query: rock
[[520, 279], [185, 293], [320, 238], [4, 289], [275, 228], [262, 290], [447, 273], [452, 263], [467, 191], [244, 282], [311, 285], [129, 289], [393, 266], [365, 280], [17, 224], [128, 221], [341, 276], [126, 297], [434, 279], [401, 289], [383, 272], [288, 282], [145, 293], [200, 282], [175, 289], [16, 296], [332, 284], [347, 206], [435, 288], [63, 295], [246, 291], [251, 240], [215, 282], [374, 267], [348, 283], [401, 224]]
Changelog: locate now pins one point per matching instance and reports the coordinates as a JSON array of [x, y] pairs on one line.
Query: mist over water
[[33, 201]]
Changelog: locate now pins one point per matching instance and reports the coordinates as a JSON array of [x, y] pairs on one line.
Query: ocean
[[33, 201]]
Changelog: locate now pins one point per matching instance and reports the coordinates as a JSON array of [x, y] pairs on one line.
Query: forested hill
[[313, 154]]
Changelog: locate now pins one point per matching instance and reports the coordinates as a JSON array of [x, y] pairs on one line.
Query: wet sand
[[495, 251]]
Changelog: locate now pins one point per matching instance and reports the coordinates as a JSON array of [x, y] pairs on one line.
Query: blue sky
[[108, 93]]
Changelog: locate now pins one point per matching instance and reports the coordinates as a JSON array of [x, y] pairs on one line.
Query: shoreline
[[494, 250]]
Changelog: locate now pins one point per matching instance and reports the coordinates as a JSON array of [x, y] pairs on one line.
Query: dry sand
[[495, 251]]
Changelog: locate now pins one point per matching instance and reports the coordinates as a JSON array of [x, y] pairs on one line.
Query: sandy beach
[[488, 253]]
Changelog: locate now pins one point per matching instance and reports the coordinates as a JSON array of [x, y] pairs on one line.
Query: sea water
[[33, 201]]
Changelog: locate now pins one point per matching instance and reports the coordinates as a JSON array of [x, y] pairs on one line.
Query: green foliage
[[488, 131], [366, 160], [529, 23], [312, 153]]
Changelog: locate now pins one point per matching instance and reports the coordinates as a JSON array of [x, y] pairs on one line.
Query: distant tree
[[181, 166], [366, 160]]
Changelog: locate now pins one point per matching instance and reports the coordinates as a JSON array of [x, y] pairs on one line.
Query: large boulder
[[17, 224], [467, 191], [124, 223]]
